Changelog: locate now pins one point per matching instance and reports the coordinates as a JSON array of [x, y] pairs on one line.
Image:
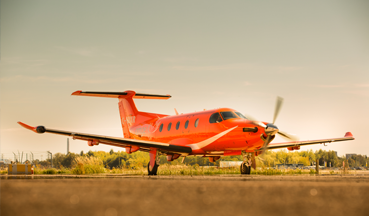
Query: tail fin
[[129, 115]]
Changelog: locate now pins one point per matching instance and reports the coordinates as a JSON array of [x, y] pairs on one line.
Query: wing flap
[[114, 141], [347, 137]]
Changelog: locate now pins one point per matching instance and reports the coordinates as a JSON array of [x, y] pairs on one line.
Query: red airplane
[[211, 133]]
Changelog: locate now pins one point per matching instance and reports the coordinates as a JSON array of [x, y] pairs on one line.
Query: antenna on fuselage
[[176, 111]]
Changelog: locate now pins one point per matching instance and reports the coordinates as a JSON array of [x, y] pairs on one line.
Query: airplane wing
[[114, 141], [297, 144]]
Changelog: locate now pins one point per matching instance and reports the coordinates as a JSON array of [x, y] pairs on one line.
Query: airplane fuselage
[[185, 129]]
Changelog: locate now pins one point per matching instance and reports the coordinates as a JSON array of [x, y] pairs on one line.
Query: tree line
[[140, 159]]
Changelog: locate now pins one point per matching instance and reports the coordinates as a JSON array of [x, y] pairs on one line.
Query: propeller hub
[[271, 129]]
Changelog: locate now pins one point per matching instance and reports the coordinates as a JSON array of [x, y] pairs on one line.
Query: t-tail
[[129, 115]]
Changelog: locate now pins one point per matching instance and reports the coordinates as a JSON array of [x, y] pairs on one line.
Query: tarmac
[[112, 195]]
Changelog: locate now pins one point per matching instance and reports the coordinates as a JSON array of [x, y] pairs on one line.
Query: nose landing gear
[[248, 161], [245, 169]]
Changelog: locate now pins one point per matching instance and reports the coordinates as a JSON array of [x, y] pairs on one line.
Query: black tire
[[154, 171], [245, 169]]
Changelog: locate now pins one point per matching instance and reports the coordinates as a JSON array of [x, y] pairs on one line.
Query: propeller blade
[[266, 143], [287, 136], [254, 121], [278, 106]]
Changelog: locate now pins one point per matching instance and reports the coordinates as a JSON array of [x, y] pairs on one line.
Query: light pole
[[51, 154], [32, 158], [15, 157]]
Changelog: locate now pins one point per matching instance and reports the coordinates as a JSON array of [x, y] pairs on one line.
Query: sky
[[206, 54]]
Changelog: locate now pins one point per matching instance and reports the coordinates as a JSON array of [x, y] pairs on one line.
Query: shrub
[[79, 169], [49, 171], [88, 165]]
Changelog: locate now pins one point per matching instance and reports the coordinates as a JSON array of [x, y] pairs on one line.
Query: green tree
[[58, 159], [68, 160]]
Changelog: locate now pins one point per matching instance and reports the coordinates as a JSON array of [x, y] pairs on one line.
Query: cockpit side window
[[228, 115], [215, 117], [240, 115]]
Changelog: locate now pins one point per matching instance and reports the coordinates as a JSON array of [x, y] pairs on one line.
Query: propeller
[[270, 129]]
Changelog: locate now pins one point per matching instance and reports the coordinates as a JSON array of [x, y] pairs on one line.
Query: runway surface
[[168, 195]]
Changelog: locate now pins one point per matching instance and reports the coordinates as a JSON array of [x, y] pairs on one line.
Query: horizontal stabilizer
[[120, 94]]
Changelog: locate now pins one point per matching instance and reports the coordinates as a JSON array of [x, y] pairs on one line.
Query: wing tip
[[349, 134], [77, 92], [27, 126]]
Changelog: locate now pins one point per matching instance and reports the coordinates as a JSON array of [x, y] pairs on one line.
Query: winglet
[[349, 134], [38, 129], [27, 126], [77, 92]]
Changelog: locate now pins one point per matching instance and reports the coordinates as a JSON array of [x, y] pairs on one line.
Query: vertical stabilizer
[[129, 115]]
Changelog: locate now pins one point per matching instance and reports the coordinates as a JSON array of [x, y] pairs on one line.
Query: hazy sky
[[206, 54]]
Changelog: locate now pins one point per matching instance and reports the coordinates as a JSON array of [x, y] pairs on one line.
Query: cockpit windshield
[[215, 118], [240, 115], [228, 115]]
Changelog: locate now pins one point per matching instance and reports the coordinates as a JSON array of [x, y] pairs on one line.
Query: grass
[[93, 165], [3, 171]]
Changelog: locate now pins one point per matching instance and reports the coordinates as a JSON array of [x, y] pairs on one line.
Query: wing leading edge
[[348, 136], [113, 141]]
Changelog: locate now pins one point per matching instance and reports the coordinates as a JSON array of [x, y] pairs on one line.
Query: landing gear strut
[[245, 167]]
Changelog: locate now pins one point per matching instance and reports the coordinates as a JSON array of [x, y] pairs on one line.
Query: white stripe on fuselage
[[206, 142]]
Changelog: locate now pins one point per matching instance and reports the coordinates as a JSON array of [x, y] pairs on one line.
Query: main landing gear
[[248, 161], [152, 167], [154, 170]]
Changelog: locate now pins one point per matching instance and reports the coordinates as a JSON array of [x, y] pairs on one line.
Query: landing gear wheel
[[154, 171], [245, 169]]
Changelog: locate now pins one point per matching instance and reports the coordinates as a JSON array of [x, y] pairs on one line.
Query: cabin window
[[228, 115], [161, 127], [196, 122], [177, 125], [215, 117], [169, 126], [240, 115], [186, 124]]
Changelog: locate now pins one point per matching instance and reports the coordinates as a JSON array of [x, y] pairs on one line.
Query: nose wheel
[[245, 167]]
